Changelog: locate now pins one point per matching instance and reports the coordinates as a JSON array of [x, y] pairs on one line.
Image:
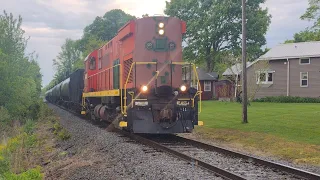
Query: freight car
[[138, 80], [68, 93]]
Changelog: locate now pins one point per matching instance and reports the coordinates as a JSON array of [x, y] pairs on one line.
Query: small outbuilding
[[207, 80]]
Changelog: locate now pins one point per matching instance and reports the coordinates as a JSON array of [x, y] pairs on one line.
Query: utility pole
[[244, 66]]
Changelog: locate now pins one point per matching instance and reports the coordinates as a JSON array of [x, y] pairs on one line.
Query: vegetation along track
[[225, 163]]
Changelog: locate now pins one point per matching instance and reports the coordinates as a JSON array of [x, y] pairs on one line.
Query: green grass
[[293, 122], [287, 131]]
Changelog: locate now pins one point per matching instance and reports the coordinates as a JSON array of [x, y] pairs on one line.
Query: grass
[[291, 131]]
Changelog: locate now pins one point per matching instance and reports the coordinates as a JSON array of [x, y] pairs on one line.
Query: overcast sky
[[50, 22]]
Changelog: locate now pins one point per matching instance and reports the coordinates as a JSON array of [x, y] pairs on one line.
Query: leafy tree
[[95, 35], [310, 33], [215, 27], [20, 76], [106, 27], [313, 12], [64, 63], [305, 36]]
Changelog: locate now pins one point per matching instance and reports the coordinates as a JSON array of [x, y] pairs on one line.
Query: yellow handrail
[[103, 71], [124, 107], [124, 104], [199, 86]]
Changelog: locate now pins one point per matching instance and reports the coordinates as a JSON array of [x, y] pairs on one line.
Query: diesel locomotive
[[138, 80]]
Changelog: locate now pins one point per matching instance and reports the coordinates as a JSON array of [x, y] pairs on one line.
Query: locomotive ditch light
[[161, 32], [161, 25], [144, 88], [183, 88]]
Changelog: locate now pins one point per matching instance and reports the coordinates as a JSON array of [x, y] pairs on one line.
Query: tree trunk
[[209, 61]]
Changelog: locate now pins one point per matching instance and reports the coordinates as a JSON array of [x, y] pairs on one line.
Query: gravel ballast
[[94, 153], [239, 166]]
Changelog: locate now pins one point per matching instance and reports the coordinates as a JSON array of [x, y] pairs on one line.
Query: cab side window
[[92, 65]]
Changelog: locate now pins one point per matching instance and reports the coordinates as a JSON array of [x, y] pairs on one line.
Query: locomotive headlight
[[161, 32], [144, 88], [161, 25], [183, 88]]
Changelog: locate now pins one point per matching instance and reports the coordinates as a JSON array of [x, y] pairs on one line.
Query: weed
[[64, 135], [60, 132], [57, 128], [34, 174], [29, 126]]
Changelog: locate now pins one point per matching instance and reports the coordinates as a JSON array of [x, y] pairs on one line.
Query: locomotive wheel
[[93, 117]]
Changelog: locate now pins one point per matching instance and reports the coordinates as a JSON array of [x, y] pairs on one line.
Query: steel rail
[[291, 170], [218, 171]]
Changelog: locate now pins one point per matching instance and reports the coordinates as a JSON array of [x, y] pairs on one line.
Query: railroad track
[[213, 159], [225, 163]]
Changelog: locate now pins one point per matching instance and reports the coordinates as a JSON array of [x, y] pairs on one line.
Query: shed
[[207, 80]]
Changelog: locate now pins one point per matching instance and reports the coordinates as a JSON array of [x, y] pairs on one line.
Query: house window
[[305, 61], [194, 85], [207, 85], [304, 79], [265, 77]]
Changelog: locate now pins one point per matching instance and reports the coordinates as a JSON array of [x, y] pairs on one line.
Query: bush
[[4, 115], [29, 126], [60, 132], [34, 174], [288, 99], [64, 135]]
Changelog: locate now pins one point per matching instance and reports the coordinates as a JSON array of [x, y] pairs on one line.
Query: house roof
[[203, 75], [236, 69], [293, 50]]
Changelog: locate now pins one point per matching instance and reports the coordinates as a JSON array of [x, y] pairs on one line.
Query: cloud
[[285, 20], [50, 22]]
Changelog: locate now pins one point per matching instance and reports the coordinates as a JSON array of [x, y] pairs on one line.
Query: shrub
[[288, 99], [34, 174], [64, 135], [29, 126], [4, 115]]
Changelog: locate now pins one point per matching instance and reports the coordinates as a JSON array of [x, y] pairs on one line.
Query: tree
[[310, 33], [215, 26], [66, 59], [73, 52], [313, 13], [305, 36], [106, 27], [20, 76]]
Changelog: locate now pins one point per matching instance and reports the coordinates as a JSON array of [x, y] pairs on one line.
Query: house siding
[[279, 86], [313, 89]]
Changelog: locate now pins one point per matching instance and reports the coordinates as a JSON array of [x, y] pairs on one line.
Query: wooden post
[[244, 66]]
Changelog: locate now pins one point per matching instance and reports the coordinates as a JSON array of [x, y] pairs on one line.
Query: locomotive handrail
[[103, 71], [124, 107], [124, 104]]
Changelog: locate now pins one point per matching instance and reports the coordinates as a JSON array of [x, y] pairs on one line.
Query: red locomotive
[[139, 78]]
